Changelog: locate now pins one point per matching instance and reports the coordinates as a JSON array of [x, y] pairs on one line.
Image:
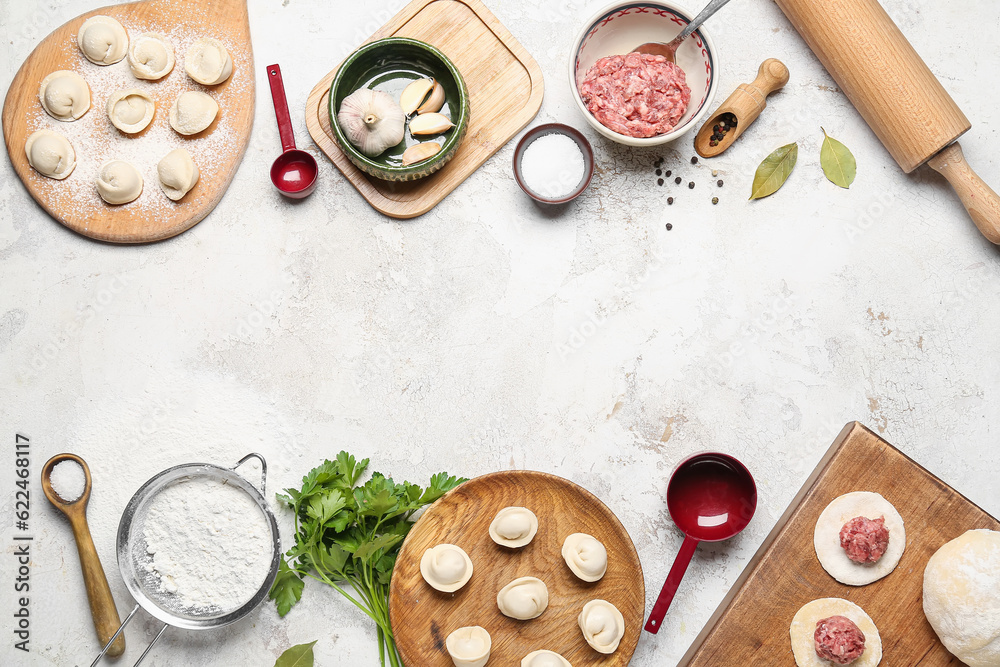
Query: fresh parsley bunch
[[350, 534]]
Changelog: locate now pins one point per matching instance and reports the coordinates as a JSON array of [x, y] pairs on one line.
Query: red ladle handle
[[670, 585], [281, 108]]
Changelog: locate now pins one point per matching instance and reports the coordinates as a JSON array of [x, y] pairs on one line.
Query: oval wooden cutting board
[[217, 151], [422, 617]]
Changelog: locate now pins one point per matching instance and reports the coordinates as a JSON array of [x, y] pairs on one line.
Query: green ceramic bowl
[[389, 65]]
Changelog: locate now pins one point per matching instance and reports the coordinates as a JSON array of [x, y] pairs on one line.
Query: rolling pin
[[896, 93]]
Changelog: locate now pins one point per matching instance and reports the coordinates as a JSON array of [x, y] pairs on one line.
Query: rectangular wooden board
[[750, 627], [505, 93]]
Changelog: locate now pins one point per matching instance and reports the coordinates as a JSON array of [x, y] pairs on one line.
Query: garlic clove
[[434, 101], [420, 152], [430, 123], [414, 94]]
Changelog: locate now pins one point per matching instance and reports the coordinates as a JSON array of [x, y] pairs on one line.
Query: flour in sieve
[[209, 542]]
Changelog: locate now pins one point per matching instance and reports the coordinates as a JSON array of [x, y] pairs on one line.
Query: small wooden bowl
[[555, 128]]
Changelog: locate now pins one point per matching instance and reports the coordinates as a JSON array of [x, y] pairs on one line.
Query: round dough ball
[[446, 567], [51, 154], [585, 556], [826, 538], [151, 56], [514, 527], [64, 95], [102, 40], [178, 173], [803, 630], [119, 182], [131, 111], [207, 61], [962, 597], [192, 112], [603, 626]]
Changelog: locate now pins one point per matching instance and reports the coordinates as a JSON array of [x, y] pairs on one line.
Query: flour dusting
[[209, 542]]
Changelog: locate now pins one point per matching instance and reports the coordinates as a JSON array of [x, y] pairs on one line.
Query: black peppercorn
[[668, 172], [719, 182], [659, 181], [659, 171], [669, 226], [691, 185], [670, 200], [677, 180], [694, 160]]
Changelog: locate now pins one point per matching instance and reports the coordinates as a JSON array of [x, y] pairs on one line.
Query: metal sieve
[[133, 557]]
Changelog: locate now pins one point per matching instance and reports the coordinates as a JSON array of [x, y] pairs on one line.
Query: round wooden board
[[422, 617], [217, 150]]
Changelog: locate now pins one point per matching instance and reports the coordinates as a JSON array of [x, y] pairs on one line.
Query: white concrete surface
[[487, 335]]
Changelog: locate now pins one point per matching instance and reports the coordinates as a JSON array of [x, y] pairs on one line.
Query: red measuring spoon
[[294, 172], [711, 497]]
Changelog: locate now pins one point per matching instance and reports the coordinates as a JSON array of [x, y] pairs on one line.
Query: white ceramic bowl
[[618, 29]]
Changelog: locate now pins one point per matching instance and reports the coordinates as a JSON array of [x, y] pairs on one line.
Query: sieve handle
[[263, 469], [150, 647], [111, 641]]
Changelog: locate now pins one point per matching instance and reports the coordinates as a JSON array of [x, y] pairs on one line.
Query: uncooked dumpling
[[64, 95], [119, 182], [151, 56], [51, 154], [962, 597], [833, 557], [208, 62], [514, 527], [102, 40], [803, 632], [178, 173], [469, 647], [131, 111], [544, 659], [585, 556], [603, 625], [193, 111], [446, 567], [524, 598]]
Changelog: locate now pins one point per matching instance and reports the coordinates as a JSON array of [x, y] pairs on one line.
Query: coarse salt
[[552, 165], [68, 480]]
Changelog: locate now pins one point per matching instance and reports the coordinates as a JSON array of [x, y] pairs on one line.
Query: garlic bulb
[[371, 120]]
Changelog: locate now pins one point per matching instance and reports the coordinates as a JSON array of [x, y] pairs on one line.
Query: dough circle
[[50, 154], [131, 111], [150, 56], [102, 40], [514, 527], [544, 658], [962, 597], [119, 182], [64, 95], [208, 62], [826, 538], [803, 630], [193, 112], [177, 173], [469, 646]]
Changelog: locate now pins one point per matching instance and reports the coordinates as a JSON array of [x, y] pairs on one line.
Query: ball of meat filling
[[864, 540], [839, 640]]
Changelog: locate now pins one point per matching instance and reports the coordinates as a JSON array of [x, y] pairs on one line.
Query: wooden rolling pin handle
[[102, 605], [979, 199]]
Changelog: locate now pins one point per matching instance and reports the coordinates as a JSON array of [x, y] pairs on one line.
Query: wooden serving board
[[422, 618], [505, 93], [217, 151], [751, 625]]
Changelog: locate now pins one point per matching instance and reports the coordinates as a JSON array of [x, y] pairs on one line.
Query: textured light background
[[489, 335]]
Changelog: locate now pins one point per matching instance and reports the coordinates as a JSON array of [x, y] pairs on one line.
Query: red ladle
[[294, 172], [711, 497]]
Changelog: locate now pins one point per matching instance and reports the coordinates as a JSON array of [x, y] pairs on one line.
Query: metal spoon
[[669, 50], [102, 604], [294, 172]]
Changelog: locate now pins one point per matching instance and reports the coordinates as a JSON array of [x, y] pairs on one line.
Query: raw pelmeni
[[826, 537], [603, 626], [514, 527], [102, 40], [64, 95], [524, 598], [193, 112], [552, 165], [544, 658], [962, 597], [119, 182], [803, 630], [50, 154], [150, 56], [208, 62], [469, 647], [131, 111], [585, 556], [177, 173], [446, 567]]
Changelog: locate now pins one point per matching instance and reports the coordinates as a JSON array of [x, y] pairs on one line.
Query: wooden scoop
[[152, 217], [746, 103], [102, 605]]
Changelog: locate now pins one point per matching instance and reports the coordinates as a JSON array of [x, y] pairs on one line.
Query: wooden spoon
[[746, 103], [102, 604], [151, 217]]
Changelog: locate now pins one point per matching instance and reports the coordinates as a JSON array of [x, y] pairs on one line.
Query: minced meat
[[839, 640], [864, 540]]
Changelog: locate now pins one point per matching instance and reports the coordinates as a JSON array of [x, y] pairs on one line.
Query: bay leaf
[[300, 655], [838, 162], [774, 170]]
